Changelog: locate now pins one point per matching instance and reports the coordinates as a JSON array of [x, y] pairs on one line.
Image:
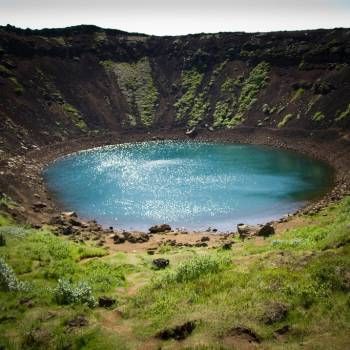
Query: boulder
[[159, 228], [266, 230], [106, 301], [192, 132], [118, 238], [161, 263], [136, 237], [247, 231]]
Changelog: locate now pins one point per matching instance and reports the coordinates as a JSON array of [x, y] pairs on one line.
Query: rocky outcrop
[[71, 82], [160, 228]]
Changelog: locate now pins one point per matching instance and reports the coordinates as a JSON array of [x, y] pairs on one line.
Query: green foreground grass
[[307, 269]]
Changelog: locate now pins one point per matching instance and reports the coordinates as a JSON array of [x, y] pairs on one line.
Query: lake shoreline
[[22, 176]]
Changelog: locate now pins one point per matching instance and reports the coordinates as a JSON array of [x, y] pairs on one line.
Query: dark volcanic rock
[[161, 263], [247, 231], [118, 238], [106, 301], [136, 237], [227, 245], [178, 332], [192, 132], [160, 228], [266, 230]]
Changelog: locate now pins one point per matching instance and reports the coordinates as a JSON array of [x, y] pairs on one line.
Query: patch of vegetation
[[230, 85], [344, 115], [18, 88], [251, 87], [308, 278], [304, 270], [297, 94], [286, 119], [76, 116], [136, 83], [199, 110], [318, 116], [223, 112], [7, 202], [188, 105], [8, 279], [66, 293]]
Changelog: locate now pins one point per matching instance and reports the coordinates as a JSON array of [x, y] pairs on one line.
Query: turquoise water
[[185, 184]]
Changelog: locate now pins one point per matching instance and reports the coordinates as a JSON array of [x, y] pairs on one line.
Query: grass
[[305, 268]]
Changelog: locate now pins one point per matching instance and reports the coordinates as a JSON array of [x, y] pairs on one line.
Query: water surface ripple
[[185, 184]]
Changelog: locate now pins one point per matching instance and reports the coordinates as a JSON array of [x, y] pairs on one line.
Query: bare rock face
[[160, 228]]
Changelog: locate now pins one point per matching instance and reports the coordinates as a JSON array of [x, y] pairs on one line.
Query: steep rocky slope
[[62, 83]]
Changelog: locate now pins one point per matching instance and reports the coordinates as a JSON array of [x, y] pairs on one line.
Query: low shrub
[[66, 293], [8, 279], [193, 269]]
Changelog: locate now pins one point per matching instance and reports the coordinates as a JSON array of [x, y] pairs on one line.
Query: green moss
[[344, 115], [75, 116], [136, 83], [298, 93], [251, 87], [318, 116], [190, 83], [18, 88], [286, 119]]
